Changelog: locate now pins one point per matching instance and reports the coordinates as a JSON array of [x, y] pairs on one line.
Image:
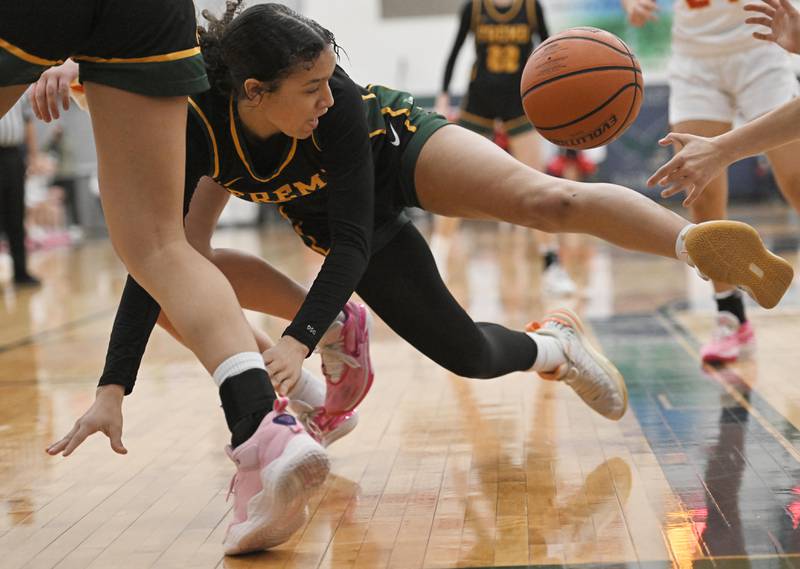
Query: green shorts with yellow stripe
[[399, 128], [143, 46]]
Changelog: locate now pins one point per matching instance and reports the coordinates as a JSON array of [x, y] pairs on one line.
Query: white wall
[[403, 53]]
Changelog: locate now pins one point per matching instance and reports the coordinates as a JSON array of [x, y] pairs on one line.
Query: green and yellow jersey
[[343, 189]]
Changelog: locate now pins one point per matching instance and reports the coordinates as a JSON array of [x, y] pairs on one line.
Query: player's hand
[[51, 89], [697, 161], [105, 416], [284, 361], [782, 19], [641, 11], [442, 105]]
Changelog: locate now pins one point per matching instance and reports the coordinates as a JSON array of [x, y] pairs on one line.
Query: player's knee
[[468, 367], [151, 253], [469, 363]]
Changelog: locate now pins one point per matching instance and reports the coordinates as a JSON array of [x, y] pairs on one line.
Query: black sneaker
[[27, 281]]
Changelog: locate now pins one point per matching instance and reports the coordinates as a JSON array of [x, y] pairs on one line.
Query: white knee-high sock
[[237, 364]]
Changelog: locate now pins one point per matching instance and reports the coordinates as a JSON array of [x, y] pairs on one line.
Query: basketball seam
[[593, 111], [609, 46], [635, 78], [623, 126], [580, 72]]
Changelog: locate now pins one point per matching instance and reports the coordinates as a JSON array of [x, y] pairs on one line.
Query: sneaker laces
[[307, 415], [334, 358], [577, 360], [588, 390]]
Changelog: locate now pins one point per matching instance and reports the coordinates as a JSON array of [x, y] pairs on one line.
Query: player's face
[[302, 98]]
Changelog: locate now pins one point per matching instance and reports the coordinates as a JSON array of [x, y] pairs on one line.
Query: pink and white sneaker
[[346, 363], [321, 425], [277, 471], [729, 340]]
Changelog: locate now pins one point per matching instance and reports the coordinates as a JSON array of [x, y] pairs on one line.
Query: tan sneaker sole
[[732, 252]]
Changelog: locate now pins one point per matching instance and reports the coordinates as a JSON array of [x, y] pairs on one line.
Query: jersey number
[[502, 58]]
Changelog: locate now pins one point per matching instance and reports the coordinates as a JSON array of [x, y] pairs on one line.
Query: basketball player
[[719, 74], [269, 132], [504, 33], [700, 159], [137, 78], [139, 61]]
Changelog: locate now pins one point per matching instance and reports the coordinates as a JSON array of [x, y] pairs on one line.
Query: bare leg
[[713, 204], [140, 150], [263, 340], [251, 275], [9, 96], [527, 148], [490, 184], [786, 168]]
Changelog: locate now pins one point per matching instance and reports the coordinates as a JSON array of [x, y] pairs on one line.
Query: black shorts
[[143, 46], [485, 103]]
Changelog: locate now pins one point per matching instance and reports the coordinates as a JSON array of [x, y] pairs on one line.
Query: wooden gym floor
[[703, 471]]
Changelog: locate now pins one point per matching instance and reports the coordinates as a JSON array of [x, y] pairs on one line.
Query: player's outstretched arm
[[699, 160], [781, 18]]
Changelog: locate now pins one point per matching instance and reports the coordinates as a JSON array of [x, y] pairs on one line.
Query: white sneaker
[[593, 377], [556, 281]]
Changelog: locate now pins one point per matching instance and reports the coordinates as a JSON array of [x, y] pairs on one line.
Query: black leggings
[[402, 285]]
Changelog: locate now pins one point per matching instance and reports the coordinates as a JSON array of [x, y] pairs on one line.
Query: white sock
[[237, 364], [680, 249], [309, 389], [550, 354]]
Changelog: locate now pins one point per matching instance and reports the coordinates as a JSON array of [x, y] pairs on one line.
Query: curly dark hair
[[266, 42]]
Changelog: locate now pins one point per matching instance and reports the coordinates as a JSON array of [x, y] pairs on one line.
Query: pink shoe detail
[[346, 363], [277, 471], [730, 340], [322, 426]]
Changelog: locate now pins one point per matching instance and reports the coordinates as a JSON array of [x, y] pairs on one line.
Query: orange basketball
[[582, 88]]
